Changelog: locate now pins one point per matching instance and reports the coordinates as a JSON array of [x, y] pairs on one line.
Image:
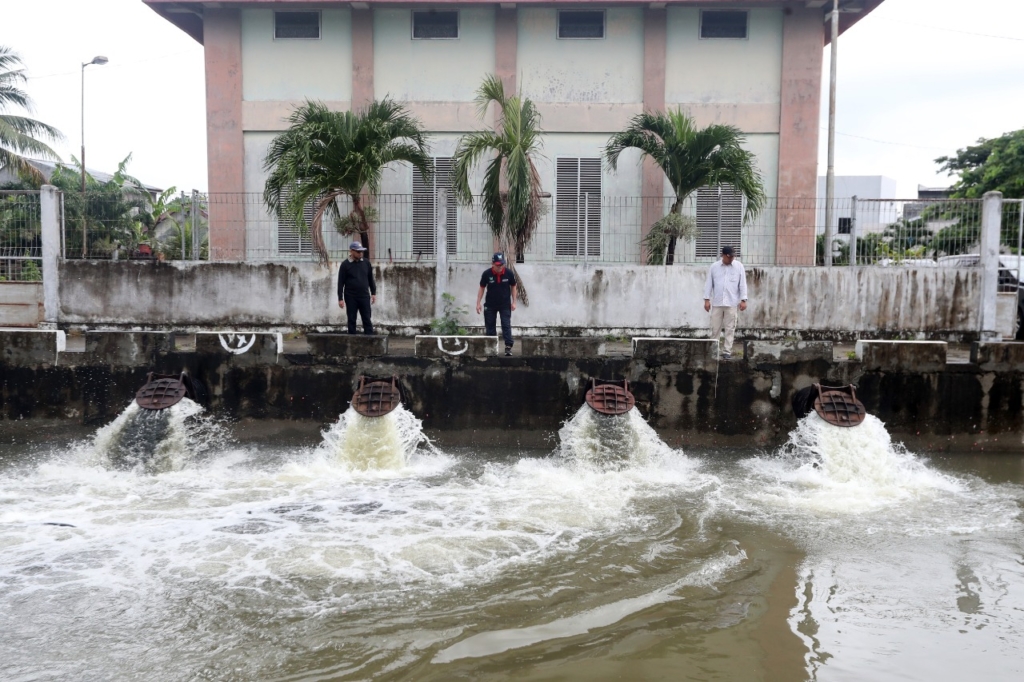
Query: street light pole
[[99, 61], [830, 177]]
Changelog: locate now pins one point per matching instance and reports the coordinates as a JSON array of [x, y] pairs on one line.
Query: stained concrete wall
[[21, 304], [565, 299]]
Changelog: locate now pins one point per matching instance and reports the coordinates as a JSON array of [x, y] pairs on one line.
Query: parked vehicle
[[1011, 278]]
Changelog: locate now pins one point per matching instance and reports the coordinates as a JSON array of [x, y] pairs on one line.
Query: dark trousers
[[490, 318], [358, 303]]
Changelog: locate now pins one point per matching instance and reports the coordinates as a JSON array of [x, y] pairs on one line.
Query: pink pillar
[[653, 183], [222, 38], [802, 45], [506, 46]]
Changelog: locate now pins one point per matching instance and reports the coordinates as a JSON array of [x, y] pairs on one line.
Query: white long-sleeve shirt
[[726, 284]]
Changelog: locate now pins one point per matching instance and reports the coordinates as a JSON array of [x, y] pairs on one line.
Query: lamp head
[[99, 60]]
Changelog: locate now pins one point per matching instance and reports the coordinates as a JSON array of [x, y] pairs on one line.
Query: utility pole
[[99, 61], [830, 177]]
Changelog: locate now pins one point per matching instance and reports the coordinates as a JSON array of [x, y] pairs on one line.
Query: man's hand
[[373, 299], [707, 306], [513, 304], [341, 304], [743, 306], [479, 310]]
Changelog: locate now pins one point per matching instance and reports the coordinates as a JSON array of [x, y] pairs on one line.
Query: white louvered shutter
[[720, 220], [290, 238], [424, 202], [578, 207]]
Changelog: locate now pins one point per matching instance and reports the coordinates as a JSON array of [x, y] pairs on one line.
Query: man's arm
[[373, 284], [708, 288], [342, 272], [479, 297], [515, 295], [743, 289]]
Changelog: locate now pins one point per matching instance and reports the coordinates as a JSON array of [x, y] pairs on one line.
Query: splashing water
[[155, 441], [365, 443], [610, 442], [847, 469]]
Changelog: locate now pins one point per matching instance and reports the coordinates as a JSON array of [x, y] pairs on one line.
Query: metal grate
[[839, 407], [160, 393], [720, 220], [425, 195], [610, 398], [377, 397], [578, 207]]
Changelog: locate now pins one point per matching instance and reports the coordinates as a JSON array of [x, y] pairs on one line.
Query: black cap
[[726, 250]]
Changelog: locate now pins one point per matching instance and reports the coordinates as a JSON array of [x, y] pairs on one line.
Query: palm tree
[[18, 134], [512, 192], [326, 155], [691, 158]]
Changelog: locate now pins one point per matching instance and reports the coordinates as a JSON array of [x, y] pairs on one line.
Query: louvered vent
[[578, 207], [720, 220], [290, 239], [425, 195]]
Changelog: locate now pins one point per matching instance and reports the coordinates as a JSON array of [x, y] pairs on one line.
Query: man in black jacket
[[356, 288], [500, 285]]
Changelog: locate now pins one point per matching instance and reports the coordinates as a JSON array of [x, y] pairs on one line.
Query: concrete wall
[[21, 304], [566, 299]]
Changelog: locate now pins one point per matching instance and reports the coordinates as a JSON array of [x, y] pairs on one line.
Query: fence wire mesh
[[21, 248]]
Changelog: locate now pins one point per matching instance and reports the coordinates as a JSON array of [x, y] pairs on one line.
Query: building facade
[[589, 67]]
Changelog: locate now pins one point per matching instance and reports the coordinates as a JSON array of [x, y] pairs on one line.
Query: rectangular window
[[434, 25], [291, 240], [578, 207], [719, 219], [581, 24], [304, 25], [425, 196], [723, 24], [845, 225]]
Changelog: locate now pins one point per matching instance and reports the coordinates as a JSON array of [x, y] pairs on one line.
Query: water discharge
[[386, 442], [610, 441]]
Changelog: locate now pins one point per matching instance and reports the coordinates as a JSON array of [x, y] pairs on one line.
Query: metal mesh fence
[[21, 247]]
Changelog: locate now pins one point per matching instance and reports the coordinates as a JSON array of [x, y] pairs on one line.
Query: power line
[[111, 66], [954, 30], [897, 144]]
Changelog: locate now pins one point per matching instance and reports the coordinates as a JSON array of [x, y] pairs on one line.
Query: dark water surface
[[606, 557]]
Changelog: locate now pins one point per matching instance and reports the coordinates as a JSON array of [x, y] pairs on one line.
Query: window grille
[[580, 24], [433, 25], [291, 240], [845, 225], [297, 25], [723, 24], [425, 194], [578, 207], [719, 219]]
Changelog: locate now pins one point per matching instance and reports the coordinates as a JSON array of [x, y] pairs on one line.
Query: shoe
[[726, 356], [508, 351]]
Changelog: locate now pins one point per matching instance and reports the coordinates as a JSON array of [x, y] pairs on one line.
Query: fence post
[[50, 236], [853, 231], [586, 227], [195, 225], [991, 221], [441, 251]]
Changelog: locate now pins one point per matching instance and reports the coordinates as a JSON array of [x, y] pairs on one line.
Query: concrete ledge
[[786, 352], [902, 356], [455, 346], [334, 347], [128, 349], [562, 347], [246, 348], [30, 348], [998, 357], [693, 354]]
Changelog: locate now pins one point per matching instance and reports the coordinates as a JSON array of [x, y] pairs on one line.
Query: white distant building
[[876, 210]]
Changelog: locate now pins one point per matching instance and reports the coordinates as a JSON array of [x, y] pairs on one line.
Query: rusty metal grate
[[160, 393], [377, 397], [610, 398], [839, 406]]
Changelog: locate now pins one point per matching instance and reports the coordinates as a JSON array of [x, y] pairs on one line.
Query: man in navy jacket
[[356, 288]]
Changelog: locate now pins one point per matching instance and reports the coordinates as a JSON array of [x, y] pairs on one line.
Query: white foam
[[610, 441], [386, 442]]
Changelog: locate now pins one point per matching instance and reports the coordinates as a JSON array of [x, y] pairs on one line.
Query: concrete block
[[127, 349], [902, 356], [562, 347], [30, 347], [455, 346], [998, 357], [692, 354], [247, 348], [343, 347], [786, 352]]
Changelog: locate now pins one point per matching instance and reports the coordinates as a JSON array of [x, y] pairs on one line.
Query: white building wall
[[875, 211]]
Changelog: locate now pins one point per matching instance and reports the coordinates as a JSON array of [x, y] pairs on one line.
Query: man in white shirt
[[724, 292]]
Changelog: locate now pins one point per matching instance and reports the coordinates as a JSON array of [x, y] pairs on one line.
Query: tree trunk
[[670, 256], [364, 230]]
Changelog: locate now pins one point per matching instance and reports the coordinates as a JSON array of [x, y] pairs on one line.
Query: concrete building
[[877, 208], [590, 67]]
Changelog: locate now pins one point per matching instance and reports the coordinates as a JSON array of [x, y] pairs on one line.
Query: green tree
[[990, 165], [326, 155], [512, 193], [691, 158], [20, 135]]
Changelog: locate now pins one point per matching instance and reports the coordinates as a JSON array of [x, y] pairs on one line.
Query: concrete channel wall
[[565, 300], [473, 396]]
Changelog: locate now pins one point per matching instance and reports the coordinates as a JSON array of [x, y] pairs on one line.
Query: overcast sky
[[917, 79]]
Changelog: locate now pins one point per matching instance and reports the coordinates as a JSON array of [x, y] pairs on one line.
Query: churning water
[[374, 554]]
